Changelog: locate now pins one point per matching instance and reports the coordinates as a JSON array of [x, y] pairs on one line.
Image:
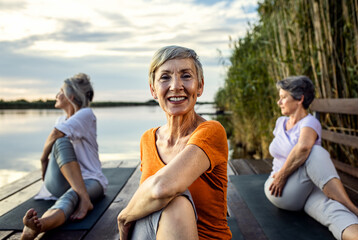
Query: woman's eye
[[186, 75], [165, 77]]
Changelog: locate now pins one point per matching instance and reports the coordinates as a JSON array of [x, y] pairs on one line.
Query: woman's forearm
[[53, 136], [295, 159], [143, 202]]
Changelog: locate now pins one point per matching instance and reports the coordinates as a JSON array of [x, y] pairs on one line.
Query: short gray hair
[[298, 86], [174, 52], [80, 88]]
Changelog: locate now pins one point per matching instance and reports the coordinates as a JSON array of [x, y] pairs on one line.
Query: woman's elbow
[[162, 189], [305, 149]]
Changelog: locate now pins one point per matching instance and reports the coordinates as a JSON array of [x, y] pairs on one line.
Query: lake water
[[23, 134]]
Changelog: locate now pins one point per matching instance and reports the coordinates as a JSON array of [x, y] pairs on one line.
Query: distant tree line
[[317, 38], [50, 104]]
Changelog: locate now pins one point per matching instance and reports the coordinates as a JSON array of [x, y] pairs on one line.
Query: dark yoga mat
[[235, 231], [275, 222], [117, 177]]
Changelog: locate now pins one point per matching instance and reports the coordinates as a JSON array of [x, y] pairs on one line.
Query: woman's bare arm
[[54, 135], [170, 181], [295, 159]]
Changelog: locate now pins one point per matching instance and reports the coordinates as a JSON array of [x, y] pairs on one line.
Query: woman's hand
[[124, 228], [278, 183]]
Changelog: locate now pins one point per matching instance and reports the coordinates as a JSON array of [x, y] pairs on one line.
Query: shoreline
[[49, 104]]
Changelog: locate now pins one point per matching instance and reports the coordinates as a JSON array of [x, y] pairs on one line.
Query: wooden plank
[[5, 234], [15, 236], [346, 168], [19, 197], [259, 166], [340, 138], [64, 235], [129, 164], [238, 209], [241, 167], [106, 227], [337, 105], [351, 185], [229, 170], [111, 164], [20, 184]]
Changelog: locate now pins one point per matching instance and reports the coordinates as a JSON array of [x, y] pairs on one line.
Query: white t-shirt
[[285, 140], [81, 129]]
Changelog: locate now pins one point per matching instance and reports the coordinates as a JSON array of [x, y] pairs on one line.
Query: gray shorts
[[146, 228], [303, 191]]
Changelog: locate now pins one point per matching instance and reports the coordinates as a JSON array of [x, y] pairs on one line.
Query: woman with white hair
[[183, 187], [71, 168]]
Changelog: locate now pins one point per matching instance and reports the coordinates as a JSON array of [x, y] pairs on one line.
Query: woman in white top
[[71, 169], [303, 175]]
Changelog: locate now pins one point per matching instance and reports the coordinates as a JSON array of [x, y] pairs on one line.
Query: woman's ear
[[301, 100], [152, 91], [201, 88]]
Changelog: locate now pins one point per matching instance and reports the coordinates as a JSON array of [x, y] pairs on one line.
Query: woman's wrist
[[122, 219]]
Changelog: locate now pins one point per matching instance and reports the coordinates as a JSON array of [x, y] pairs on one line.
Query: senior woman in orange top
[[187, 153]]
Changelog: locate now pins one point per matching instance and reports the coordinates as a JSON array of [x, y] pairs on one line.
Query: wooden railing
[[341, 106]]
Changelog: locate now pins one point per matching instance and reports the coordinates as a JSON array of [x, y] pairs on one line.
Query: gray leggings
[[63, 153], [303, 190]]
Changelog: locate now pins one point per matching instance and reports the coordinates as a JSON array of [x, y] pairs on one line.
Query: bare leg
[[178, 221], [350, 233], [34, 225], [72, 172], [334, 189]]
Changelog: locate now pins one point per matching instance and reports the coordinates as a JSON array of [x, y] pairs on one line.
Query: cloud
[[112, 41]]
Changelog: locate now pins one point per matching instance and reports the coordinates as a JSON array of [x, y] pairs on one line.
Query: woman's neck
[[178, 127], [297, 116], [70, 110]]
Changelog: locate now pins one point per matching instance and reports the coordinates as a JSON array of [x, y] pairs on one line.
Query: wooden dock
[[106, 227]]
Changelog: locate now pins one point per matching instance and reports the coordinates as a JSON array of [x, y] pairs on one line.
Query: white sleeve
[[77, 125]]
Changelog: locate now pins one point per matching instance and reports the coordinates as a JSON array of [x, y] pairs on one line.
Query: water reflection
[[23, 134]]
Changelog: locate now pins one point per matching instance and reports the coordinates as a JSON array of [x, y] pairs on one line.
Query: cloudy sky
[[43, 42]]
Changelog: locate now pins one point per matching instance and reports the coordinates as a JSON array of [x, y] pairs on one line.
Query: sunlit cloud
[[53, 40]]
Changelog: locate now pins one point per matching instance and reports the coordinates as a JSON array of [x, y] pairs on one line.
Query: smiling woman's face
[[176, 86]]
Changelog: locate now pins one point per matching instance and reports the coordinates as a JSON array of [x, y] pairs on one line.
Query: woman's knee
[[318, 152], [178, 218], [63, 151], [179, 208]]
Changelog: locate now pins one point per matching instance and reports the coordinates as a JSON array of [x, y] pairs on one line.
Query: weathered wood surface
[[342, 106], [338, 105], [340, 138], [106, 228]]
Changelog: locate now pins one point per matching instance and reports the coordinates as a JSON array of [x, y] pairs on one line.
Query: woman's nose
[[176, 83]]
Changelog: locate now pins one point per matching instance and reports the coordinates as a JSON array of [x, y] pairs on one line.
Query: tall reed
[[317, 38]]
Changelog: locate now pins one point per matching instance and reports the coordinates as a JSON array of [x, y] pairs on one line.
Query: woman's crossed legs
[[176, 221]]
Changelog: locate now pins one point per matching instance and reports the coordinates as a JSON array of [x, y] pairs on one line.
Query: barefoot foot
[[83, 208], [32, 225]]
